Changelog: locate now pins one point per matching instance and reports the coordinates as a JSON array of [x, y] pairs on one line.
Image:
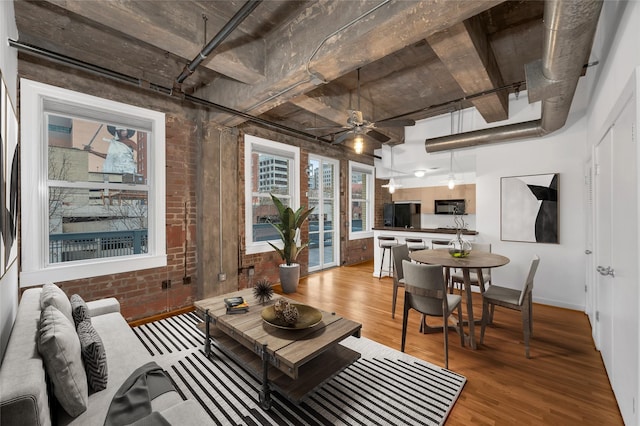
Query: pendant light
[[358, 144], [392, 185], [452, 180]]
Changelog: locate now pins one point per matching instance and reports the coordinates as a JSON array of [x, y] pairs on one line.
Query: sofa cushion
[[79, 309], [59, 346], [93, 356], [52, 295]]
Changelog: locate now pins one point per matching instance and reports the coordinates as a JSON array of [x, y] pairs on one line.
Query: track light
[[419, 173]]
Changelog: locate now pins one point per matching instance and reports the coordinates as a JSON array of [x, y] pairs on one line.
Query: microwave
[[449, 207]]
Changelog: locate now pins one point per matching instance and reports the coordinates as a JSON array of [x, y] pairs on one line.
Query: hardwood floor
[[564, 382]]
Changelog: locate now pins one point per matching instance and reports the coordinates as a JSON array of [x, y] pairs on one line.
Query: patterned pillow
[[79, 309], [93, 355], [59, 346], [52, 295]]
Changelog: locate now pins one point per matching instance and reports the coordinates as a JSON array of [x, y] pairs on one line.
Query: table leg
[[207, 337], [265, 393], [467, 289]]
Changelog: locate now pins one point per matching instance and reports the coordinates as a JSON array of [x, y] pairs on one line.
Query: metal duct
[[569, 30]]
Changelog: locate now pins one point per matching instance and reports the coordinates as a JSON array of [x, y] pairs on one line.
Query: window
[[95, 173], [361, 200], [270, 168]]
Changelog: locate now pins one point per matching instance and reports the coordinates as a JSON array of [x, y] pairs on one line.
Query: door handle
[[606, 271], [587, 251]]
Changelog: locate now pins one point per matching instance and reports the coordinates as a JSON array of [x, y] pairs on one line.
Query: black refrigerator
[[402, 215]]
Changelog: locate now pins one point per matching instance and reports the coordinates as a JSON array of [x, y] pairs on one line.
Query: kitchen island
[[400, 234]]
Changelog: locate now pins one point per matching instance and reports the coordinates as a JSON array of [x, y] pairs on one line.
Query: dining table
[[476, 260]]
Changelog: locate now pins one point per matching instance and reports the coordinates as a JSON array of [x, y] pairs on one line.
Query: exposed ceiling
[[295, 62]]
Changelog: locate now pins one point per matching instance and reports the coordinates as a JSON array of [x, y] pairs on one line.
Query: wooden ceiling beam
[[332, 38], [178, 30], [465, 51]]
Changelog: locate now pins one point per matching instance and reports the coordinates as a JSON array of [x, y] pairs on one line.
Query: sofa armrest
[[103, 306]]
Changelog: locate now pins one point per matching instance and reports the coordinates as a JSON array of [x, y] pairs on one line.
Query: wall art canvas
[[529, 208], [10, 224], [3, 138]]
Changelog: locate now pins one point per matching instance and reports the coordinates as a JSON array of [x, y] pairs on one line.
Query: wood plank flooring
[[564, 382]]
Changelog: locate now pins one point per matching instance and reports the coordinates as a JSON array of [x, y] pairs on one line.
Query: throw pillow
[[93, 355], [52, 295], [79, 309], [59, 346]]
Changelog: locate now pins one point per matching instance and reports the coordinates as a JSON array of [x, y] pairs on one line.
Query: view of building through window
[[98, 193], [271, 175]]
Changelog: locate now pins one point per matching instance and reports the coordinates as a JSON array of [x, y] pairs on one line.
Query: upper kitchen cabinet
[[427, 195]]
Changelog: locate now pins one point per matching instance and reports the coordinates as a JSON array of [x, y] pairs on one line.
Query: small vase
[[459, 247]]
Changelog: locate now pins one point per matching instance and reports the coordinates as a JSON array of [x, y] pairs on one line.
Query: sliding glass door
[[323, 222]]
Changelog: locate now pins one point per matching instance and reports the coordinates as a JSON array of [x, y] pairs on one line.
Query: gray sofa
[[24, 397]]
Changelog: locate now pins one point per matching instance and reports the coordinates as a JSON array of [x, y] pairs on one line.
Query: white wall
[[9, 68], [560, 278]]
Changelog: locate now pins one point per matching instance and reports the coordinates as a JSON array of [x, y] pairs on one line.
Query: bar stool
[[385, 243], [415, 244]]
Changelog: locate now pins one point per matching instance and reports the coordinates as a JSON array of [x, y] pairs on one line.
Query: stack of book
[[236, 305]]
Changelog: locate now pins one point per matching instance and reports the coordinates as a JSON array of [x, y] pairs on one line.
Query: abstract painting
[[529, 208], [8, 180]]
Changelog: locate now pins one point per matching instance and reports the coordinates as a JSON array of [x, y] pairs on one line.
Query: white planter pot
[[289, 277]]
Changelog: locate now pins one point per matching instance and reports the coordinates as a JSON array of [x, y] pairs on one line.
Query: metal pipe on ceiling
[[569, 29], [228, 28], [140, 84]]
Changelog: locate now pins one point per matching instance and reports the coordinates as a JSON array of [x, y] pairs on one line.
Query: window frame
[[367, 231], [270, 147], [35, 266]]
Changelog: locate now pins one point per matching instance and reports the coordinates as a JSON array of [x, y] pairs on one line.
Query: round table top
[[476, 259]]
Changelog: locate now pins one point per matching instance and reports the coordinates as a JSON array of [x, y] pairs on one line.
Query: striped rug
[[384, 387]]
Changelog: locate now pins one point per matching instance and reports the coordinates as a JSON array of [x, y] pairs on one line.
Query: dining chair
[[399, 253], [425, 291], [457, 277], [519, 300]]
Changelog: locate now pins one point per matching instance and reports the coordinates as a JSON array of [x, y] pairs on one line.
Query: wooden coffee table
[[292, 362]]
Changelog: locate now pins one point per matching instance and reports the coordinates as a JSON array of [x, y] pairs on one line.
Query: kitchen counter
[[428, 230], [428, 235]]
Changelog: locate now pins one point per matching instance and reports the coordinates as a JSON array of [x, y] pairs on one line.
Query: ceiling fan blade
[[373, 134], [396, 123], [341, 138], [327, 128]]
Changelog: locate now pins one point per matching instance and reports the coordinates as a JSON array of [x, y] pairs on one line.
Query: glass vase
[[459, 247]]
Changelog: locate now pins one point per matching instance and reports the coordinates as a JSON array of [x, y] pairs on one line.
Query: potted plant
[[288, 228]]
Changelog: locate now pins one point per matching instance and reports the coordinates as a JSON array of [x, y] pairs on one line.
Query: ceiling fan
[[358, 127]]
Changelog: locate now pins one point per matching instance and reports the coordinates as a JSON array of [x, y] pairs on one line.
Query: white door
[[590, 297], [323, 221], [617, 258], [603, 208], [625, 262]]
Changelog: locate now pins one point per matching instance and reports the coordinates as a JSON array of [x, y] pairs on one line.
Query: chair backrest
[[426, 287], [436, 244], [486, 247], [528, 285], [399, 253]]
